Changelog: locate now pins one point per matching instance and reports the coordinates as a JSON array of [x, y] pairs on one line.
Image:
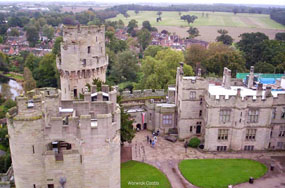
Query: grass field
[[144, 174], [208, 26], [219, 173], [224, 19]]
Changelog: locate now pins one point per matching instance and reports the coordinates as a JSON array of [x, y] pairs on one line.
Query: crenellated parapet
[[143, 93]]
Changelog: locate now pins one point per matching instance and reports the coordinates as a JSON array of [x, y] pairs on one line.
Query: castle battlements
[[143, 93]]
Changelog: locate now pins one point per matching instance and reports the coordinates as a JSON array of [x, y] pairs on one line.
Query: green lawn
[[143, 174], [219, 173], [227, 19]]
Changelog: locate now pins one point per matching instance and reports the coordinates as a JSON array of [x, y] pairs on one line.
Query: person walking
[[150, 141], [147, 138]]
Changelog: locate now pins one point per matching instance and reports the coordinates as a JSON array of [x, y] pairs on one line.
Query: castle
[[82, 59], [57, 141], [230, 115]]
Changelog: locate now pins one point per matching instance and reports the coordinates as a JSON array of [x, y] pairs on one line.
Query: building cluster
[[166, 39], [15, 44], [173, 41], [229, 115], [57, 140]]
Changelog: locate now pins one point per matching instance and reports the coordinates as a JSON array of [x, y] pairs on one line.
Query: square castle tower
[[57, 141]]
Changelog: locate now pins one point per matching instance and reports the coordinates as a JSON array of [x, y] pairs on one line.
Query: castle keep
[[56, 141], [82, 59]]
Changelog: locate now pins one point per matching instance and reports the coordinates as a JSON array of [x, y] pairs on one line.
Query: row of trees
[[193, 7]]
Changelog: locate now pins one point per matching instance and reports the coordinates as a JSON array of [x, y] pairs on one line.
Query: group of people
[[152, 141]]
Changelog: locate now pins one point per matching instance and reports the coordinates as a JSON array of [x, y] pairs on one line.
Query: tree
[[127, 131], [235, 11], [194, 142], [32, 35], [144, 38], [29, 82], [263, 67], [193, 32], [3, 62], [14, 32], [160, 71], [125, 68], [224, 37], [126, 15], [56, 46], [159, 13], [48, 31], [152, 50], [132, 25], [46, 74], [69, 21], [232, 59], [250, 45], [137, 11], [146, 25], [31, 62], [195, 55], [280, 36]]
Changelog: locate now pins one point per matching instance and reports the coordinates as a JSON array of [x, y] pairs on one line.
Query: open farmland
[[209, 22]]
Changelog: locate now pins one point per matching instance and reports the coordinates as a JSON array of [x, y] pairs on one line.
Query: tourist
[[147, 138], [150, 141]]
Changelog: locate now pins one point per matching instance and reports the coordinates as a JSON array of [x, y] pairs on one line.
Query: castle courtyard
[[166, 155]]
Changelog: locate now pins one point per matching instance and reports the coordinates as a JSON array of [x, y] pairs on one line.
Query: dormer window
[[30, 104]]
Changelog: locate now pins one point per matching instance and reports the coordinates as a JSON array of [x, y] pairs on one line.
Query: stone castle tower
[[59, 143], [82, 59]]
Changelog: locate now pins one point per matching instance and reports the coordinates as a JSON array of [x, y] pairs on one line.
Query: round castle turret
[[82, 59]]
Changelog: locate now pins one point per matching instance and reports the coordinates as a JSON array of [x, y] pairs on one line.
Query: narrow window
[[34, 185], [81, 159], [50, 186], [200, 113], [33, 149], [191, 129]]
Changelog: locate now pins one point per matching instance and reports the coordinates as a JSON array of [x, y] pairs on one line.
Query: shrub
[[194, 142]]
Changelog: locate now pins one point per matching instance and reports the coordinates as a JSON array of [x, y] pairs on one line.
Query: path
[[166, 156]]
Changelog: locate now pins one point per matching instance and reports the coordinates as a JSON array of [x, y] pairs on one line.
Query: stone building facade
[[58, 141], [82, 59], [225, 115]]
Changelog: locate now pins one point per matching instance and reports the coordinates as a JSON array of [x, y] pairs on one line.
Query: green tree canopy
[[160, 71], [32, 34], [125, 67], [263, 67], [280, 36], [144, 38], [29, 82], [250, 45], [193, 32], [48, 31], [224, 37], [131, 26], [46, 74]]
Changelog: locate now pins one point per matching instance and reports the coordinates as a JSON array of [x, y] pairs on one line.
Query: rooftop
[[220, 90]]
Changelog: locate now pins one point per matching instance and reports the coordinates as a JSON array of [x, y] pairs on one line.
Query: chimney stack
[[268, 92], [199, 74], [181, 68], [259, 89], [227, 75], [238, 92], [251, 77]]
